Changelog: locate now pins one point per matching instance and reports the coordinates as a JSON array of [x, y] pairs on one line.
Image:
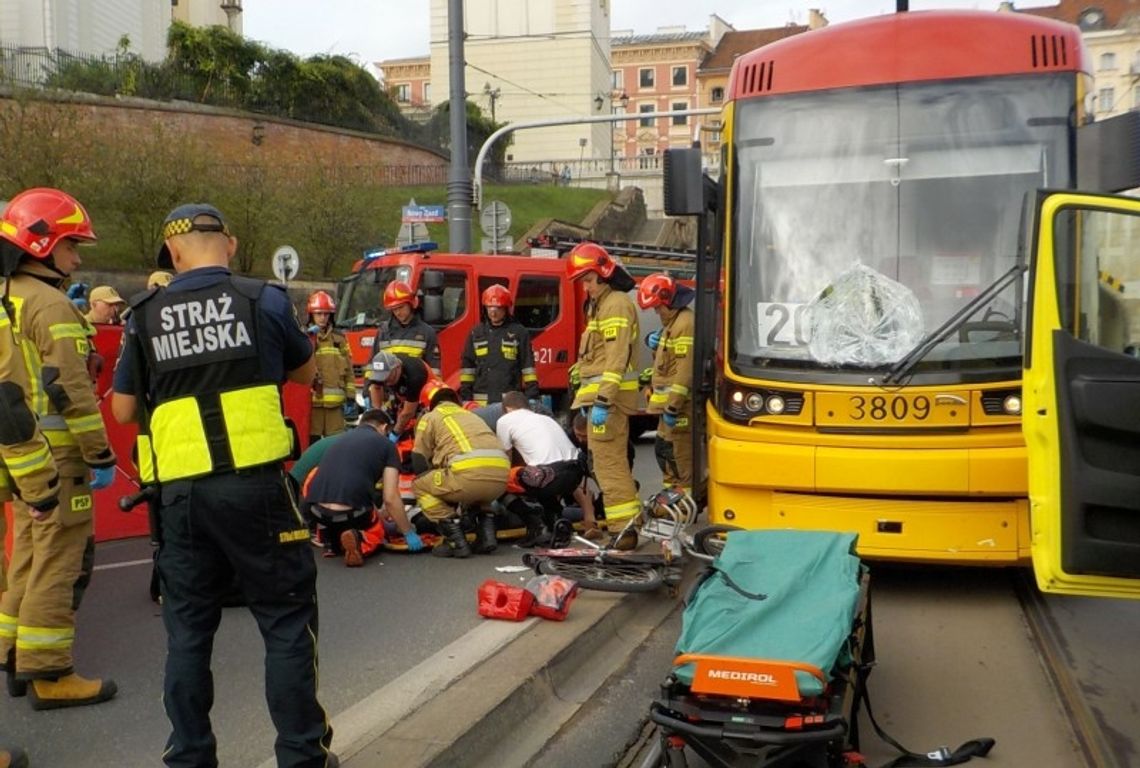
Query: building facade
[[533, 60], [408, 81], [208, 13], [86, 27]]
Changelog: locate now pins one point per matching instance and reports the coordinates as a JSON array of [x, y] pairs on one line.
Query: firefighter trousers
[[607, 448], [440, 490], [674, 450], [244, 523], [326, 421], [49, 570]]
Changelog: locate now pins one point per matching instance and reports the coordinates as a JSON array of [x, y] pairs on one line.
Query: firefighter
[[334, 389], [606, 365], [201, 371], [52, 558], [406, 333], [457, 460], [672, 376], [497, 357], [403, 378]]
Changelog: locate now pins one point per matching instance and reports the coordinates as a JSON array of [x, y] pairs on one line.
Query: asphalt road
[[376, 622]]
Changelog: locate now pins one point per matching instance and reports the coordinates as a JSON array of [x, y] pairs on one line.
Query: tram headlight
[[742, 404], [775, 405], [1012, 405], [754, 402]]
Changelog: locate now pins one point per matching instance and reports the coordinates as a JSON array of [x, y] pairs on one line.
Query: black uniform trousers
[[567, 477], [244, 524]]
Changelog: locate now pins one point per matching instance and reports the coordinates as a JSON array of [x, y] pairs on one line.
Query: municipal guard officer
[[406, 333], [672, 377], [201, 371], [457, 460], [606, 364], [51, 557], [497, 357], [334, 389]]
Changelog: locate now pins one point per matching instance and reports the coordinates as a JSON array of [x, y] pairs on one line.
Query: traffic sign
[[495, 219], [286, 263], [423, 214]]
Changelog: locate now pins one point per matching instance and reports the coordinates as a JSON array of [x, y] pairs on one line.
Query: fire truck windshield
[[360, 304], [866, 217]]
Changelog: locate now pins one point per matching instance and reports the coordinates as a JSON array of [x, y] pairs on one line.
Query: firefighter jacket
[[210, 405], [334, 383], [27, 470], [606, 357], [673, 368], [416, 339], [57, 351], [497, 359], [448, 436]]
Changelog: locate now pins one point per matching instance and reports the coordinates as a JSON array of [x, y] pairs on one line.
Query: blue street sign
[[424, 214]]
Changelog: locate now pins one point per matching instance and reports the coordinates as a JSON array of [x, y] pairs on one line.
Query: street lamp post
[[613, 181]]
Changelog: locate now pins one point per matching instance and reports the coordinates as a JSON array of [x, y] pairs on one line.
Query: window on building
[[646, 122], [616, 80], [1105, 99], [1108, 60], [677, 106], [427, 93], [536, 305], [645, 77], [403, 93], [680, 75], [717, 95]]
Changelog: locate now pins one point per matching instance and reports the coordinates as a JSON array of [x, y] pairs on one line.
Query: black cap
[[182, 220]]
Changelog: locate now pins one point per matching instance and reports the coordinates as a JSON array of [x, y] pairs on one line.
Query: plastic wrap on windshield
[[864, 318]]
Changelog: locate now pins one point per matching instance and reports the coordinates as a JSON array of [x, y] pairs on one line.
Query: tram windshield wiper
[[939, 334]]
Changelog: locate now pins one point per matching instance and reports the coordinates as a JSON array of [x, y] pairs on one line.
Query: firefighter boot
[[70, 691], [537, 534], [485, 540], [16, 688], [454, 543], [13, 757]]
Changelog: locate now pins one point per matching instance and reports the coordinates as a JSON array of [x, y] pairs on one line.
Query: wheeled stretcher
[[775, 645]]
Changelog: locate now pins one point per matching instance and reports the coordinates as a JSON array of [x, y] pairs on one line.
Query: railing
[[567, 171]]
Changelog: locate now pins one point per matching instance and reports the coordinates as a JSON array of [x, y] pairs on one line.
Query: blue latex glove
[[653, 340], [393, 437], [102, 477], [350, 410], [314, 329], [413, 540], [598, 415], [670, 419], [76, 291]]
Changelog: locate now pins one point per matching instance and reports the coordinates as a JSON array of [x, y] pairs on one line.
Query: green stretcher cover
[[776, 595]]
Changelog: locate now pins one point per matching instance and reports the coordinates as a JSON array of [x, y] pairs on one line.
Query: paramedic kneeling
[[201, 370], [339, 496]]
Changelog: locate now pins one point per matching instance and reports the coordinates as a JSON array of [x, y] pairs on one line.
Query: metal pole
[[458, 177]]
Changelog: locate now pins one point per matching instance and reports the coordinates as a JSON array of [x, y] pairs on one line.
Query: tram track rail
[[1052, 650]]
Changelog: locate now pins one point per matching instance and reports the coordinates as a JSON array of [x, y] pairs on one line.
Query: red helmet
[[398, 292], [431, 390], [656, 290], [589, 257], [320, 301], [37, 219], [497, 296]]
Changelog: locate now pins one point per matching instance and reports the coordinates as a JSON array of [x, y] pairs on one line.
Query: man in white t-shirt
[[552, 467]]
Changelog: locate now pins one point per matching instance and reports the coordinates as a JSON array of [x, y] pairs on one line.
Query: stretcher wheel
[[710, 540], [605, 577]]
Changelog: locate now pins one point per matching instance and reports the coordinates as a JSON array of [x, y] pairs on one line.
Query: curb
[[528, 687]]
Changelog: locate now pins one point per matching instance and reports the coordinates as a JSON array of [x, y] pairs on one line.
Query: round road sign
[[495, 219], [286, 263]]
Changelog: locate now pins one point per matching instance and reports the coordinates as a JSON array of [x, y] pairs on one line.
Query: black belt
[[326, 515]]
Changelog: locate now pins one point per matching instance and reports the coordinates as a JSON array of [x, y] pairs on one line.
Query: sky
[[392, 29]]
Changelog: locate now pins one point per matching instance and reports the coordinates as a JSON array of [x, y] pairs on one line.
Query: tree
[[42, 143], [251, 199], [332, 216], [479, 128]]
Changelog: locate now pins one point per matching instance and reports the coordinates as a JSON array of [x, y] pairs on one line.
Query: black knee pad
[[17, 422]]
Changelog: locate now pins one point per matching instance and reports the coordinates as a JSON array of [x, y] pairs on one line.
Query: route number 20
[[782, 325]]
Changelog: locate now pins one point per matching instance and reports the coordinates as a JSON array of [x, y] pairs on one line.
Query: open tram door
[[1082, 395]]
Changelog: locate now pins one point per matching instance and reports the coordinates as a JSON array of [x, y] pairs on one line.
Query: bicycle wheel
[[710, 540], [605, 577]]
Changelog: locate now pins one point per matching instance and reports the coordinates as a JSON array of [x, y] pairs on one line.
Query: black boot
[[16, 688], [454, 543], [485, 540], [537, 534]]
